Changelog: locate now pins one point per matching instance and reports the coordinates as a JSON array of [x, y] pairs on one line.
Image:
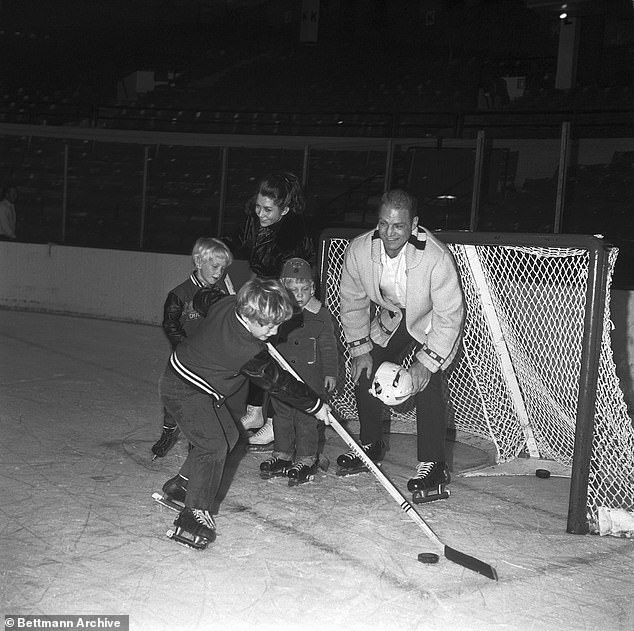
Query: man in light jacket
[[412, 277]]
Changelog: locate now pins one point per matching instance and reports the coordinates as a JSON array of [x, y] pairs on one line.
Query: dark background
[[387, 69]]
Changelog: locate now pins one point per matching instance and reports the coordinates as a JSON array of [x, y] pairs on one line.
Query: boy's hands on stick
[[323, 414]]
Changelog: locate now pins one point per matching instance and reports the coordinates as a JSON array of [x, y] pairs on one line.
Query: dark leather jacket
[[267, 249], [180, 316]]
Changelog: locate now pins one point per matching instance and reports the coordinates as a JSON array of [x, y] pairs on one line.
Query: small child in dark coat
[[307, 342]]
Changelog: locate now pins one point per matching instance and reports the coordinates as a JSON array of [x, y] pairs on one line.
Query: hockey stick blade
[[471, 563], [451, 554]]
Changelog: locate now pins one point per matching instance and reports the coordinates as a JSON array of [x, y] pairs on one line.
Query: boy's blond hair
[[296, 282], [264, 301], [207, 248]]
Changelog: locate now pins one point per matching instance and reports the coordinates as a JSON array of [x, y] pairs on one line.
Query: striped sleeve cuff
[[430, 358], [315, 407], [360, 347]]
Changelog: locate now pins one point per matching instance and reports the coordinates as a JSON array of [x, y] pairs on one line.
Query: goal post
[[535, 374]]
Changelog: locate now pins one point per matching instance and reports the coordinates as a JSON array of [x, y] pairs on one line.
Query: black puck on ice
[[542, 473], [428, 557]]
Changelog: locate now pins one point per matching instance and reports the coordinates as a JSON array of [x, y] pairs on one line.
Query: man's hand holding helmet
[[420, 375], [392, 384]]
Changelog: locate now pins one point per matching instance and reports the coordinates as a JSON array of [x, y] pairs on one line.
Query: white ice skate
[[253, 418], [262, 440]]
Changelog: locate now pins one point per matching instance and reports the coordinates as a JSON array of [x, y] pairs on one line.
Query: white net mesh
[[516, 379]]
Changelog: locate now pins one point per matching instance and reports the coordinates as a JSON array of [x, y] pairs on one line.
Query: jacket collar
[[313, 305], [414, 247]]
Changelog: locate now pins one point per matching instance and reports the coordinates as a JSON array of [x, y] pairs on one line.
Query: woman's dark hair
[[285, 189]]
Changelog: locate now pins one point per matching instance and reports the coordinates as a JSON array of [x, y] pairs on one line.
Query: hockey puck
[[428, 557], [542, 473]]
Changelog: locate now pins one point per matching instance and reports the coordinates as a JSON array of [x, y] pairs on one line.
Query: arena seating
[[303, 91]]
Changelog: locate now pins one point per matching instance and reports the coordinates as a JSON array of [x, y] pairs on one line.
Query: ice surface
[[80, 533]]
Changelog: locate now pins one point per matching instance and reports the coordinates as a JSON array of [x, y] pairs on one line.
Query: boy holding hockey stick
[[208, 368]]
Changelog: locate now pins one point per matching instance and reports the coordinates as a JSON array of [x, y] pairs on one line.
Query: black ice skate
[[274, 467], [429, 482], [174, 491], [195, 528], [349, 463], [166, 441], [300, 473]]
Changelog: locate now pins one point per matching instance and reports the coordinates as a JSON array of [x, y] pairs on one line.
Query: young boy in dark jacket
[[211, 258], [205, 371]]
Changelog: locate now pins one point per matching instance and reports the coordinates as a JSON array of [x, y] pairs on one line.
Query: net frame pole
[[596, 291], [501, 348]]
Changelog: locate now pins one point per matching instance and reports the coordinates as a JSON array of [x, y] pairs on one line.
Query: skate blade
[[270, 476], [163, 501], [342, 472], [423, 497], [295, 482], [256, 448], [161, 453], [200, 543]]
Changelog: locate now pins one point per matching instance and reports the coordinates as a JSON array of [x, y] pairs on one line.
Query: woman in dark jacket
[[274, 232]]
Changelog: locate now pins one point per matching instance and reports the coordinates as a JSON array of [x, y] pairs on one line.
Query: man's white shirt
[[393, 282]]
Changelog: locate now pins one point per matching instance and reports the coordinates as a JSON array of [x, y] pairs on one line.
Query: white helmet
[[392, 384]]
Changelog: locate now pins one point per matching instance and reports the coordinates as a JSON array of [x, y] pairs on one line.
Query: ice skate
[[274, 467], [253, 418], [428, 484], [349, 463], [195, 528], [262, 440], [300, 472], [174, 491], [168, 439]]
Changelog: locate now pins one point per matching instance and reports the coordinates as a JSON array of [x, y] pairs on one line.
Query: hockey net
[[527, 357]]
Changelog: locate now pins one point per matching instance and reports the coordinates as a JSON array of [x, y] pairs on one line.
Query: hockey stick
[[451, 554]]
